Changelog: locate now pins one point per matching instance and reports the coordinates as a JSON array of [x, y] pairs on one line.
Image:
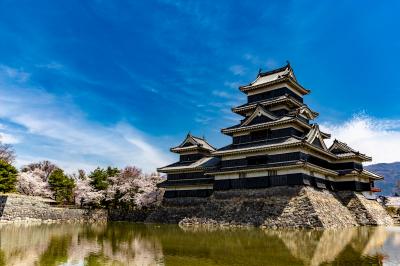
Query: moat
[[121, 243]]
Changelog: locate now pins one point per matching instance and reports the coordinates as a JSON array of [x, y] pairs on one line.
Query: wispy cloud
[[255, 60], [57, 130], [222, 94], [8, 138], [379, 138], [261, 62], [237, 70], [233, 85], [15, 74], [51, 65], [205, 120]]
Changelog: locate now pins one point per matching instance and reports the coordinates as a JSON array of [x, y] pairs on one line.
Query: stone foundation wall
[[366, 212], [275, 207], [15, 208]]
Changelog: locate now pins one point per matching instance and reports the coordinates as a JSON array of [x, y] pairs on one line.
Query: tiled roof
[[273, 77], [364, 173], [342, 147], [258, 145], [195, 142], [204, 143], [203, 163], [281, 120]]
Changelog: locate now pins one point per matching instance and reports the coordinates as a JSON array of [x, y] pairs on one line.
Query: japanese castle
[[275, 144]]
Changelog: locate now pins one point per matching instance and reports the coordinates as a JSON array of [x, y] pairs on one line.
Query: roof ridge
[[273, 71], [342, 145]]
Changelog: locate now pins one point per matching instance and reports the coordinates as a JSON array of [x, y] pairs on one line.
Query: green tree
[[62, 186], [99, 177], [112, 171], [8, 177]]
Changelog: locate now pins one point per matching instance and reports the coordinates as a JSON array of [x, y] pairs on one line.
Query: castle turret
[[186, 178]]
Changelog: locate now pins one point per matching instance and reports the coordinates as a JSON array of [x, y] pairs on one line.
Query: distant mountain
[[391, 172]]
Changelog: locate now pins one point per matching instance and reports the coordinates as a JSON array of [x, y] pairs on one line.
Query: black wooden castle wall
[[272, 94], [271, 181], [271, 160], [266, 135]]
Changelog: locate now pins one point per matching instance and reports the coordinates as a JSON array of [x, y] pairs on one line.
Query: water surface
[[138, 244]]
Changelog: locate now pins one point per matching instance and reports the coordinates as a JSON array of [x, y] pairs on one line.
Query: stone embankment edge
[[15, 208]]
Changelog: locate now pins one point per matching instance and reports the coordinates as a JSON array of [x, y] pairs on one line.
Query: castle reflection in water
[[135, 244]]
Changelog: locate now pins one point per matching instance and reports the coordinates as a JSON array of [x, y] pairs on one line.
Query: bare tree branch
[[45, 166], [7, 153]]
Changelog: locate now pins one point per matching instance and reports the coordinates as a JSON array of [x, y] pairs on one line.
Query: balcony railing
[[375, 189]]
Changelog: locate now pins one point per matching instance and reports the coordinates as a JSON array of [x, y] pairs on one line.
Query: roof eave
[[176, 170], [185, 149], [256, 149], [297, 164], [325, 135], [363, 157], [261, 125], [286, 97], [303, 90]]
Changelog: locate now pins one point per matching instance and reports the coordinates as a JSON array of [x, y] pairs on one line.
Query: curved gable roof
[[339, 147], [259, 111], [265, 77], [192, 142], [314, 137]]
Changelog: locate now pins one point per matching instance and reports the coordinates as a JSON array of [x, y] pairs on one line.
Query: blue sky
[[87, 83]]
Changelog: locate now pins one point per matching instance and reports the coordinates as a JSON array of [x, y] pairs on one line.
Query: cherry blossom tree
[[148, 193], [45, 168], [86, 195], [134, 189], [33, 183], [126, 188]]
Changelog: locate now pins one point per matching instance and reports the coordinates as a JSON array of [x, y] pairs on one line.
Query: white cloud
[[15, 74], [237, 70], [202, 120], [51, 65], [222, 94], [233, 85], [264, 64], [7, 138], [379, 138], [55, 129]]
